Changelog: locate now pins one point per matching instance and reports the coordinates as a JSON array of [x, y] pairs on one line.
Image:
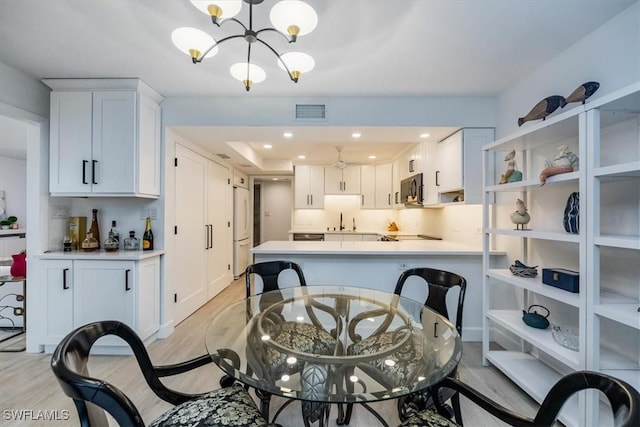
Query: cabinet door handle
[[211, 236], [396, 197], [93, 171], [362, 197], [389, 199], [64, 278], [126, 280], [206, 236], [311, 199], [437, 176], [84, 171]]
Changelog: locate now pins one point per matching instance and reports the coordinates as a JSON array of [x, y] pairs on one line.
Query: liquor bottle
[[147, 237], [116, 235], [111, 244], [131, 243], [90, 244], [95, 230]]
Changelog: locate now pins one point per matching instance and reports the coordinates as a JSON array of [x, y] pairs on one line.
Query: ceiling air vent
[[311, 112], [223, 156]]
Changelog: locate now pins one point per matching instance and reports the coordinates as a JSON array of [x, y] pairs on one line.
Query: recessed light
[[287, 134], [302, 156], [274, 179], [372, 157], [424, 135], [356, 135], [267, 146]]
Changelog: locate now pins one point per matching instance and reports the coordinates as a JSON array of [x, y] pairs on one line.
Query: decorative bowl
[[565, 336]]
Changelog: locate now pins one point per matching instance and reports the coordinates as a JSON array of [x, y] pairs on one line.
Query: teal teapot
[[535, 320]]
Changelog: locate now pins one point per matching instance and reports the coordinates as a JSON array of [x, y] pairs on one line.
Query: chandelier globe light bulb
[[297, 63], [219, 10], [193, 42], [293, 17]]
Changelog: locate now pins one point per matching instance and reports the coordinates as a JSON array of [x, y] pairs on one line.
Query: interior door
[[190, 280], [218, 257]]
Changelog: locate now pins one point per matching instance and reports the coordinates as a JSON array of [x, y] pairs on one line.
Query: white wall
[[276, 210], [609, 55], [23, 92], [13, 180]]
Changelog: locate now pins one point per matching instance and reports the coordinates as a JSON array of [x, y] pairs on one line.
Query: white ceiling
[[372, 48]]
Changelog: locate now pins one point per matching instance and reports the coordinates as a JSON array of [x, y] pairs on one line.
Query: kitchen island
[[378, 265]]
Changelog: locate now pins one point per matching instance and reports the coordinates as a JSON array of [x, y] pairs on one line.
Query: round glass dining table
[[333, 344]]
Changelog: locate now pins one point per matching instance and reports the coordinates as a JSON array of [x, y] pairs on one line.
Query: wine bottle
[[95, 230], [147, 237], [116, 235]]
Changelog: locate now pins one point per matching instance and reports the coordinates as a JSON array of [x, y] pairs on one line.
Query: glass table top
[[333, 344]]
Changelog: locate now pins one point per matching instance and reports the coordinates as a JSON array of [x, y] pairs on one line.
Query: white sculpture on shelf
[[565, 161], [520, 217]]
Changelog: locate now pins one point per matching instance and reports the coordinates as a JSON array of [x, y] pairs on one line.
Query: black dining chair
[[623, 398], [439, 283], [229, 406], [308, 337]]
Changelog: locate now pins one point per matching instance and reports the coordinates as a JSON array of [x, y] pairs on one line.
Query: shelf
[[559, 236], [535, 378], [557, 128], [534, 184], [535, 285], [618, 308], [632, 376], [624, 170], [511, 320], [613, 241], [20, 232], [612, 360]]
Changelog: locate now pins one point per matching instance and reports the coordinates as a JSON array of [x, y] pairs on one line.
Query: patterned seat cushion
[[427, 419], [230, 406], [301, 337], [406, 359]]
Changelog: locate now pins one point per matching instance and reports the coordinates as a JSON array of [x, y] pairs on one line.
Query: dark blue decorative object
[[571, 218], [563, 279], [535, 320], [542, 109], [582, 92]]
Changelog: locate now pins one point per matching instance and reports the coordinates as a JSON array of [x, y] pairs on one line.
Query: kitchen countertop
[[120, 255], [406, 247]]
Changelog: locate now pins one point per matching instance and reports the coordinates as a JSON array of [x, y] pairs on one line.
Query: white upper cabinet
[[240, 179], [342, 181], [105, 139], [368, 187], [384, 186], [453, 168], [309, 187], [396, 184]]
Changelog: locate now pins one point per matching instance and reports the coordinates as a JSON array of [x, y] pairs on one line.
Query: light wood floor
[[27, 383]]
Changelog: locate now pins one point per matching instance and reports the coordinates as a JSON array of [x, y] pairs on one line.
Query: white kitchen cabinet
[[309, 187], [342, 181], [384, 187], [240, 179], [452, 168], [81, 291], [105, 139], [605, 252], [367, 187], [396, 184]]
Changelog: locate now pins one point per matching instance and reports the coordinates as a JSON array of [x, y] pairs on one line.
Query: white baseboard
[[166, 330]]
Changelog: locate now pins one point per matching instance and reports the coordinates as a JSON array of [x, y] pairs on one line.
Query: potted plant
[[10, 222]]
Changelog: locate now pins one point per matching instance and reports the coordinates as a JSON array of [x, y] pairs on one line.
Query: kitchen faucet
[[341, 226]]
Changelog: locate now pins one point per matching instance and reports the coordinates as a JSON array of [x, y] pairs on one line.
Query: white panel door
[[190, 280], [367, 187], [218, 259], [450, 163], [301, 187], [384, 188], [58, 279], [148, 297]]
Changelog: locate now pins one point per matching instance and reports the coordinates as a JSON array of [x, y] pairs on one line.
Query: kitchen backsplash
[[461, 223]]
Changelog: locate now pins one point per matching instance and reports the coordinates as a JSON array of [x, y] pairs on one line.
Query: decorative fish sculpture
[[582, 92], [542, 109]]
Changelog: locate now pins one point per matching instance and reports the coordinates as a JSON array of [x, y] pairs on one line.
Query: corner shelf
[[535, 285]]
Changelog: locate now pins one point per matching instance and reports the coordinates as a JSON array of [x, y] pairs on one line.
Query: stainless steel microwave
[[411, 190]]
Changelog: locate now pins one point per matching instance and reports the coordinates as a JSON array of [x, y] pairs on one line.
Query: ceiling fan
[[339, 163]]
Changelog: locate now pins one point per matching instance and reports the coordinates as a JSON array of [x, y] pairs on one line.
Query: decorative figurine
[[542, 109], [582, 92], [512, 174], [565, 161], [520, 217]]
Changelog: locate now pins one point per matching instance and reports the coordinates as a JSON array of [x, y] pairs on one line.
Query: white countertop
[[120, 255], [406, 247]]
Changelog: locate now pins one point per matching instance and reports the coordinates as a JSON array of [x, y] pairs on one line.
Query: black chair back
[[269, 272], [439, 283]]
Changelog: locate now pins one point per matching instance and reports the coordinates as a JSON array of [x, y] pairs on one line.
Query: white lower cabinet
[[84, 291]]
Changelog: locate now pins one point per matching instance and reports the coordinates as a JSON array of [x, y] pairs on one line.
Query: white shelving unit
[[606, 253]]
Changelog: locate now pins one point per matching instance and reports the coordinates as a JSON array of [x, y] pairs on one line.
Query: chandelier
[[290, 19]]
